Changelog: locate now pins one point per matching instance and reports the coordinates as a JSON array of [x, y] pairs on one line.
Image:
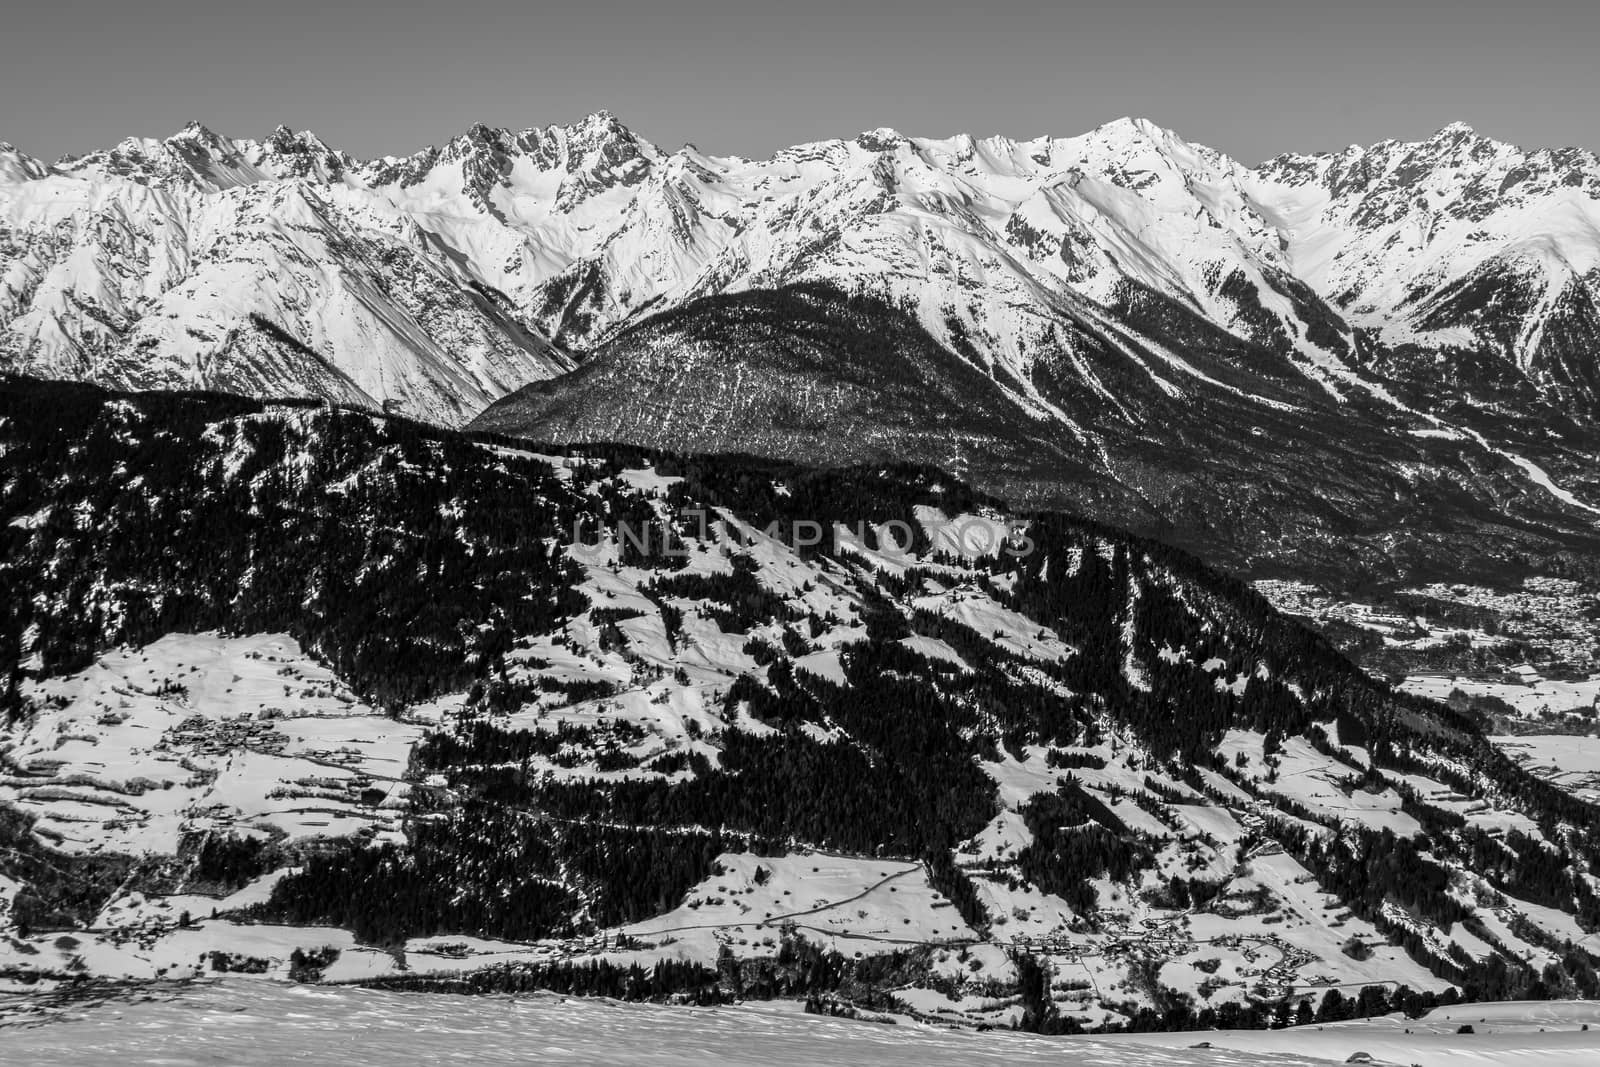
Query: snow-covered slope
[[205, 734], [1455, 243], [250, 268]]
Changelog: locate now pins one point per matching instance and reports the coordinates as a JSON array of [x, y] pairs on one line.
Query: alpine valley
[[1069, 584]]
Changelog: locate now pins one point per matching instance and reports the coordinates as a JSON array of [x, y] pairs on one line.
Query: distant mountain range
[[1376, 361]]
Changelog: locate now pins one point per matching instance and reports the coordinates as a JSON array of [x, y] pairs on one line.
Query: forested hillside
[[611, 720]]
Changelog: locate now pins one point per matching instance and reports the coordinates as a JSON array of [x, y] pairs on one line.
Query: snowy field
[[231, 1022], [1524, 1032], [1534, 696], [1569, 761], [849, 904], [201, 732]]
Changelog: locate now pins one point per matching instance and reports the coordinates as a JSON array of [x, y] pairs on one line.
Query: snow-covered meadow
[[201, 732], [231, 1022]]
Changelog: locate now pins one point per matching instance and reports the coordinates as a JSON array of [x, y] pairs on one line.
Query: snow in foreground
[[235, 1022], [1519, 1032]]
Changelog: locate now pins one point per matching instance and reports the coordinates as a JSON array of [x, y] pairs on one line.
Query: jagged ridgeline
[[636, 667]]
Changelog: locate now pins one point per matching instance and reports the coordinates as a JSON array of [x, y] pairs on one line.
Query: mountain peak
[[880, 139], [597, 126], [284, 138], [287, 154], [1131, 134], [1132, 126], [1456, 134], [601, 125], [482, 134], [1454, 131], [198, 133]]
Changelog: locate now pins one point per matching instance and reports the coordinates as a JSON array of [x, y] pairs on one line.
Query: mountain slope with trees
[[1058, 775]]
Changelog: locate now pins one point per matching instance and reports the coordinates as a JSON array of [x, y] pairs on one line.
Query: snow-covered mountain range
[[439, 278], [1133, 305]]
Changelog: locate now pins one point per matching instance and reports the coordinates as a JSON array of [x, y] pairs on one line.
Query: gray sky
[[1251, 77]]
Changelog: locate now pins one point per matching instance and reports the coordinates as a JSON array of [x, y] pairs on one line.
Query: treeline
[[797, 968], [498, 872], [675, 979], [482, 870]]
